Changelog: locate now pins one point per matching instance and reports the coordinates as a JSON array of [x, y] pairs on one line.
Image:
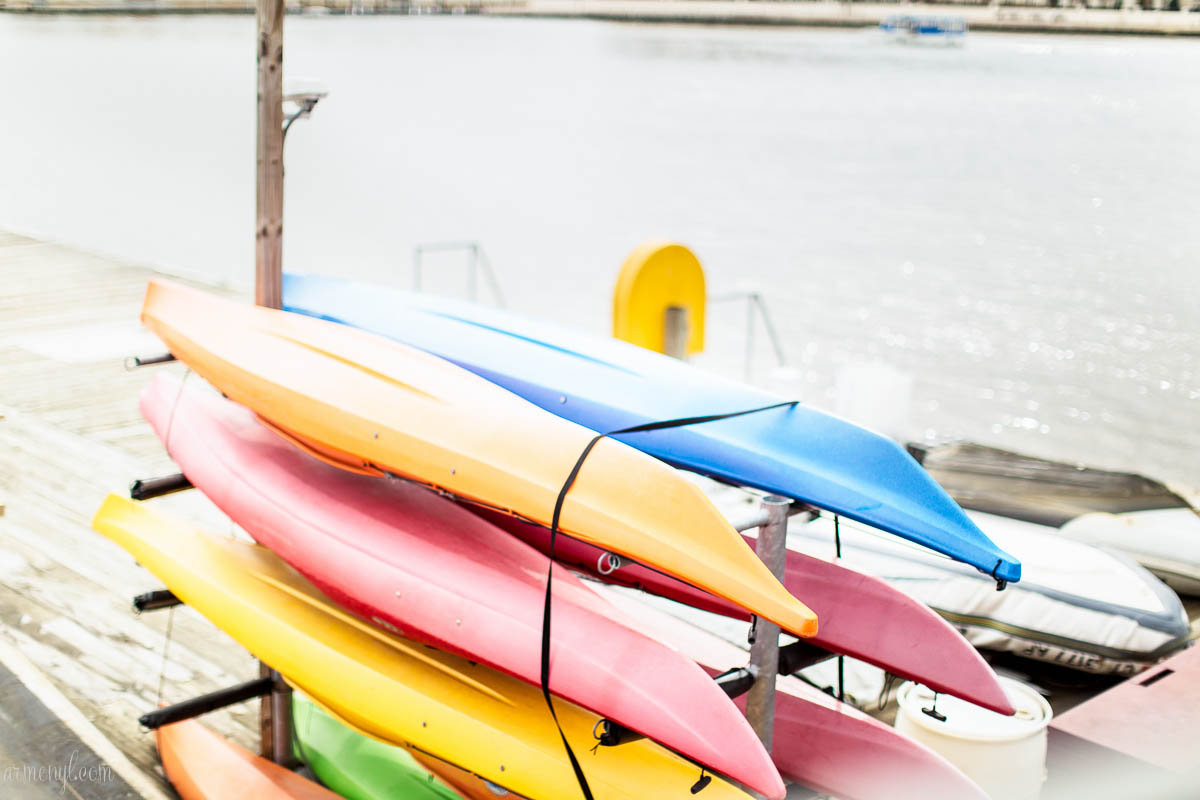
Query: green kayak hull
[[356, 766]]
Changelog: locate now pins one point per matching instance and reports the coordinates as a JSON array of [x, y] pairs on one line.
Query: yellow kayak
[[371, 404], [484, 722]]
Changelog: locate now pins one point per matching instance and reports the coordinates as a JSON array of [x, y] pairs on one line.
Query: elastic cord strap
[[684, 421], [558, 504]]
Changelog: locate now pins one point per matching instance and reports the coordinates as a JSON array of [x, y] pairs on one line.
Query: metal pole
[[749, 365], [275, 719], [491, 277], [771, 547], [472, 273], [266, 734], [268, 234], [281, 722], [675, 332], [770, 328]]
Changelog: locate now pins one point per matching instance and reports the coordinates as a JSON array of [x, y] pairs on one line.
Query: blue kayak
[[606, 385]]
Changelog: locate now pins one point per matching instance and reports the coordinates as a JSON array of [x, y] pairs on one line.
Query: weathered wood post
[[771, 548], [275, 715], [268, 232]]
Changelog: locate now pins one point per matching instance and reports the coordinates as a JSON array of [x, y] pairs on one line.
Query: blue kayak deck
[[607, 385]]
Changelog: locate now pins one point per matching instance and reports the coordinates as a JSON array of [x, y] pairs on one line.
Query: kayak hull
[[818, 741], [358, 767], [468, 785], [1080, 607], [203, 766], [915, 644], [389, 407], [421, 566], [607, 385], [385, 685]]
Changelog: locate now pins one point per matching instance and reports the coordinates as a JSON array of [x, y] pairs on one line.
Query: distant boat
[[925, 28]]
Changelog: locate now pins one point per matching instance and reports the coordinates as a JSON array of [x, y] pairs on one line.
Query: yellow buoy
[[661, 281]]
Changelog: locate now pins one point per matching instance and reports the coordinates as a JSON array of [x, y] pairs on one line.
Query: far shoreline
[[827, 14], [766, 13]]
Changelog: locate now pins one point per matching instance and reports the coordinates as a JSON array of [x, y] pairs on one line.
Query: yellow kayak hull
[[369, 403], [388, 687]]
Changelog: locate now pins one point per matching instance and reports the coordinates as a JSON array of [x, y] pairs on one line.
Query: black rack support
[[212, 701], [157, 487]]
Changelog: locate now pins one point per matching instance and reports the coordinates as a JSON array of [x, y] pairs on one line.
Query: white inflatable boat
[[1143, 518], [1078, 606]]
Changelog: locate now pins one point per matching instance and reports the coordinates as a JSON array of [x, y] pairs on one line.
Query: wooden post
[[675, 332], [275, 715], [268, 233], [771, 547]]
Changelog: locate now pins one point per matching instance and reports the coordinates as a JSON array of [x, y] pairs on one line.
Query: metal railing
[[756, 308], [477, 262]]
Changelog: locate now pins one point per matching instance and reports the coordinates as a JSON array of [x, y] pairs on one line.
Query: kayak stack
[[423, 567], [430, 528], [608, 385]]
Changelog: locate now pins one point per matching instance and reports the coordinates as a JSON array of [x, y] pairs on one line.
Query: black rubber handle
[[157, 487], [160, 598]]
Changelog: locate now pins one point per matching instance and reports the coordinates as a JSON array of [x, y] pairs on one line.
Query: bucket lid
[[964, 720]]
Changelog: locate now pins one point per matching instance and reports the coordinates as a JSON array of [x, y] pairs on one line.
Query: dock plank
[[70, 432]]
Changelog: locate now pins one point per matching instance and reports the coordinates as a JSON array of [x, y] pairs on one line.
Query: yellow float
[[657, 280]]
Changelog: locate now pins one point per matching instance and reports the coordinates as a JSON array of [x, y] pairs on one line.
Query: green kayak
[[358, 767]]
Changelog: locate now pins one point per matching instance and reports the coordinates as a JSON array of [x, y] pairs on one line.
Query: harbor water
[[1010, 226]]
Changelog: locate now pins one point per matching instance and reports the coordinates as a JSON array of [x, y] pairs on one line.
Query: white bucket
[[1006, 756]]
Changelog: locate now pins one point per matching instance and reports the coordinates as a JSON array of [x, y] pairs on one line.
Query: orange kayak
[[465, 783], [203, 766], [372, 405]]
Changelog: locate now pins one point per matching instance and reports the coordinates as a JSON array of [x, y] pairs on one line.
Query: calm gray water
[[1012, 225]]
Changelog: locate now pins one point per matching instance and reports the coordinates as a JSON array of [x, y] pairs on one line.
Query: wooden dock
[[70, 432]]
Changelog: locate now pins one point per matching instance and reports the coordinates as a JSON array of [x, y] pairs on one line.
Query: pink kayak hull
[[861, 616], [818, 741], [836, 749], [413, 562]]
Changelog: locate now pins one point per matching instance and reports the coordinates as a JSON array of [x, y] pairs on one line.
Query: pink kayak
[[418, 564], [818, 741], [861, 616]]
